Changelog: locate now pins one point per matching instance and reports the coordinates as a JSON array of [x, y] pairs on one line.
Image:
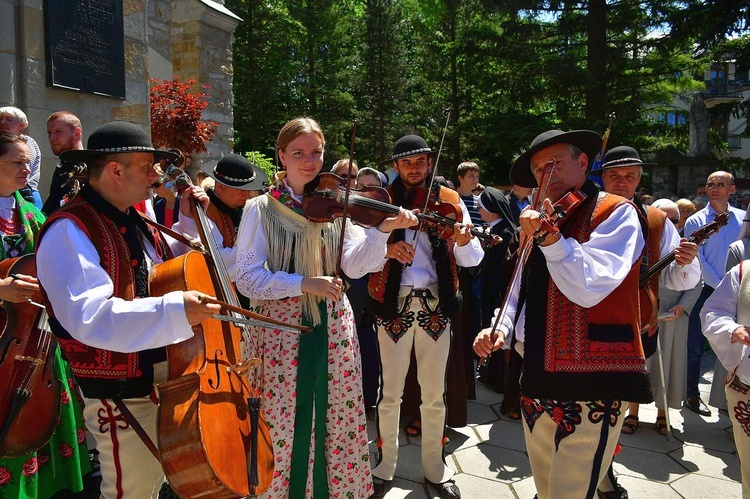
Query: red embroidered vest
[[578, 353], [103, 373]]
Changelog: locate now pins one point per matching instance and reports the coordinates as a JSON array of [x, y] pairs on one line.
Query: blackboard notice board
[[85, 46]]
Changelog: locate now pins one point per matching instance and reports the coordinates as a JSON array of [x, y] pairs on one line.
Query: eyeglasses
[[674, 220], [718, 185]]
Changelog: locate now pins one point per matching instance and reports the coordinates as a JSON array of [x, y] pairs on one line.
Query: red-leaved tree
[[176, 116]]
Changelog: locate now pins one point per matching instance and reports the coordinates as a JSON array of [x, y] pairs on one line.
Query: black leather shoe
[[696, 405], [446, 490], [379, 487], [618, 493]]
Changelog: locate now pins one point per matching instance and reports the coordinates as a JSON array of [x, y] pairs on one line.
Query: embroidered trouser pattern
[[419, 326], [570, 444], [738, 404]]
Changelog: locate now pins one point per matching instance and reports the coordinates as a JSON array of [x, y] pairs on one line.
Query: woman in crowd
[[313, 381], [674, 311], [63, 461], [687, 208], [13, 120]]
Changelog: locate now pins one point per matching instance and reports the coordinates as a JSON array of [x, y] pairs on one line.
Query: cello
[[30, 392], [213, 439]]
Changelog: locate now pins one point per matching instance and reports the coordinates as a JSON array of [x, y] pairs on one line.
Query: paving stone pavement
[[489, 455]]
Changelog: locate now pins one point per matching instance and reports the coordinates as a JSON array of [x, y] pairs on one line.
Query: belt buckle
[[421, 293]]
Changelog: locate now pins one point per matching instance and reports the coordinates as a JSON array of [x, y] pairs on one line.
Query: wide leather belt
[[421, 293]]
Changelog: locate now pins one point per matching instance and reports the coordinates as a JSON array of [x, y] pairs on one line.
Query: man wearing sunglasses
[[713, 257]]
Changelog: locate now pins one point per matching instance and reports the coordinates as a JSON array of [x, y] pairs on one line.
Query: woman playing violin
[[313, 385], [62, 462]]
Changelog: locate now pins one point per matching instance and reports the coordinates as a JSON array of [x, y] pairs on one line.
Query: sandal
[[629, 425], [415, 428], [661, 425]]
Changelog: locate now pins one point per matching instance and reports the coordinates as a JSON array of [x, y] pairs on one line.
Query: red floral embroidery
[[5, 476], [65, 397], [42, 459], [30, 467], [80, 435], [65, 450]]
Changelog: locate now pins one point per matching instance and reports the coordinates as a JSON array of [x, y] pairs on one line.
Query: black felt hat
[[237, 171], [116, 137], [408, 145], [587, 141], [619, 157]]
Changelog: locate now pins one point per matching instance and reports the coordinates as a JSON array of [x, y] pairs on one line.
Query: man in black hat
[[621, 173], [575, 316], [93, 261], [413, 296], [236, 181]]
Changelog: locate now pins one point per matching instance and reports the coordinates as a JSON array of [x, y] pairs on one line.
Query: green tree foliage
[[506, 71]]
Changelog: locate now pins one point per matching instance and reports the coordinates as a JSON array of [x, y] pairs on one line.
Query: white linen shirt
[[719, 320], [585, 273], [422, 273], [676, 277], [80, 290]]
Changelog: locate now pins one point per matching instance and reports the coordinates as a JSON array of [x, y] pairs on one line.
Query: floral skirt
[[61, 463]]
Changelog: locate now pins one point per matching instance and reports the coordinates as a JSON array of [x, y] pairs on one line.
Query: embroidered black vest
[[115, 235], [383, 286], [577, 353]]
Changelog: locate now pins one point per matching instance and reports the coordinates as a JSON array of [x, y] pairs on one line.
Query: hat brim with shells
[[117, 137]]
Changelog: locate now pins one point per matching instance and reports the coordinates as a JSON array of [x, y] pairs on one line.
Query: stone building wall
[[150, 28]]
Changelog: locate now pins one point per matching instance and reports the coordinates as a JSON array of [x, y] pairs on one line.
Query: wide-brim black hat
[[586, 140], [237, 171], [409, 145], [116, 137], [619, 157]]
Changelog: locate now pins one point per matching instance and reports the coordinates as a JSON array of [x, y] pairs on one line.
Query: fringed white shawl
[[298, 245]]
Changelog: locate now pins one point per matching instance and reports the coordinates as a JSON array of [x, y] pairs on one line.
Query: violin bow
[[346, 199], [605, 138], [523, 247], [432, 182]]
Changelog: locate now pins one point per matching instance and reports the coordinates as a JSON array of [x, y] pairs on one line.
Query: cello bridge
[[243, 367], [33, 360]]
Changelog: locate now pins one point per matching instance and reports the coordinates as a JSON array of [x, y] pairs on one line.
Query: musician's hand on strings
[[18, 288], [401, 251], [488, 341], [685, 252], [741, 335], [196, 309], [462, 233], [186, 200], [403, 220], [325, 286]]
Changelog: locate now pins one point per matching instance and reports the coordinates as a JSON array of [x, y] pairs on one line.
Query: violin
[[649, 318], [550, 222], [30, 392], [323, 201]]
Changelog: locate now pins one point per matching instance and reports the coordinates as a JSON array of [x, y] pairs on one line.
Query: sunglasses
[[719, 185]]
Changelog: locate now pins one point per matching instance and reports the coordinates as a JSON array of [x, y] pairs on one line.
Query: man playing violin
[[93, 260], [621, 174], [413, 295], [574, 311], [236, 181]]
